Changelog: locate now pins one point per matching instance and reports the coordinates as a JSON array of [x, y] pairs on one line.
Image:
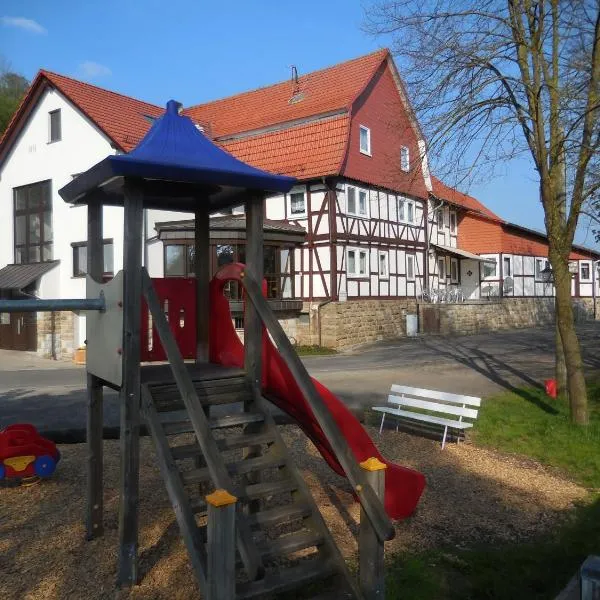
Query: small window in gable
[[383, 264], [297, 204], [55, 133], [452, 221], [410, 267], [404, 158], [365, 140]]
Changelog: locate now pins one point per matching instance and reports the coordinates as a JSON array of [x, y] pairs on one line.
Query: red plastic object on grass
[[551, 388], [403, 487], [25, 453]]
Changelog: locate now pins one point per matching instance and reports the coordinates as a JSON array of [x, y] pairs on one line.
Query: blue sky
[[195, 50]]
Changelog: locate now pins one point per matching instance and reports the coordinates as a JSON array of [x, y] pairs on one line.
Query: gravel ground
[[473, 495]]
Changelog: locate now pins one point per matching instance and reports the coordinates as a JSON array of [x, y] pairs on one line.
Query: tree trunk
[[560, 366], [564, 318]]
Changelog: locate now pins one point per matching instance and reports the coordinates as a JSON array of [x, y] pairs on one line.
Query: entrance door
[[18, 331], [469, 278]]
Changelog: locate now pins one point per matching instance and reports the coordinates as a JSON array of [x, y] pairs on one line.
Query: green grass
[[537, 570], [313, 350], [529, 423]]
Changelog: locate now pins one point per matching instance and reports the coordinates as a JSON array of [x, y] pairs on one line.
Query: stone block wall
[[59, 329], [508, 313], [343, 324]]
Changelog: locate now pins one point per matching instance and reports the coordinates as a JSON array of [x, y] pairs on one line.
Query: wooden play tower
[[248, 520]]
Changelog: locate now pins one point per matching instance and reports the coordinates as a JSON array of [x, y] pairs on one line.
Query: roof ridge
[[50, 74], [382, 51]]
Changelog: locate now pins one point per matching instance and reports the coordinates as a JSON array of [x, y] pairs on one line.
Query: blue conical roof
[[175, 150]]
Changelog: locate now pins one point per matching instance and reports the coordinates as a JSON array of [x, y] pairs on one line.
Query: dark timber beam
[[254, 267], [130, 390], [95, 400], [202, 271]]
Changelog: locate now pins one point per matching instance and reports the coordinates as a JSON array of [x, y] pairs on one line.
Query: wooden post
[[254, 267], [370, 549], [130, 389], [202, 271], [95, 420], [221, 545]]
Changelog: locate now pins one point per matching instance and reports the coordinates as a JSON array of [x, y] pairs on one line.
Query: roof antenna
[[296, 94]]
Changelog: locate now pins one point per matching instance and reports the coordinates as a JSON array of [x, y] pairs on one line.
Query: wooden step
[[288, 544], [285, 580], [280, 514], [269, 488], [241, 467], [177, 421], [231, 442]]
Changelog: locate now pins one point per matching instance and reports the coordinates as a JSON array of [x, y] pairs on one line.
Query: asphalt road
[[51, 394]]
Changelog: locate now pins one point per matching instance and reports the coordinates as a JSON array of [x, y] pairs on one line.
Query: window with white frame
[[406, 210], [297, 204], [452, 221], [541, 264], [506, 266], [365, 140], [489, 269], [357, 201], [404, 158], [585, 271], [357, 262], [410, 267], [454, 270], [442, 268], [383, 265], [440, 218]]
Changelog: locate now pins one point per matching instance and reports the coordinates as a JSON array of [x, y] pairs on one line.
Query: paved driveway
[[52, 394]]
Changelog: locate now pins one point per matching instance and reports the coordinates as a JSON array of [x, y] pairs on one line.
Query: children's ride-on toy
[[25, 453]]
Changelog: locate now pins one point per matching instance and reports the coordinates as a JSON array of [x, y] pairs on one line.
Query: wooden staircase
[[283, 543]]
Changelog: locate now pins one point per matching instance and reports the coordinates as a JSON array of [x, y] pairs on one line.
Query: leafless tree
[[491, 79]]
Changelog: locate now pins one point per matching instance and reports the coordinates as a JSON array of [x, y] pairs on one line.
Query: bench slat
[[421, 417], [436, 395], [449, 409]]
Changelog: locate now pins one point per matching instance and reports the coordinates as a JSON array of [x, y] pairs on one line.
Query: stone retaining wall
[[508, 313]]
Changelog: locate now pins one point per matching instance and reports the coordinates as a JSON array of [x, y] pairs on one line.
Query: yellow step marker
[[221, 498]]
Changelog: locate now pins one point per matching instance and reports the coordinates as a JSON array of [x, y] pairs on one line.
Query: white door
[[469, 278]]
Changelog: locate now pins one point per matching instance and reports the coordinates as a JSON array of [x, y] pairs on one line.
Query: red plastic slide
[[403, 487]]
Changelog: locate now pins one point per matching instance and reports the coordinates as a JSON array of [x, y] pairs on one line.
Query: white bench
[[402, 398]]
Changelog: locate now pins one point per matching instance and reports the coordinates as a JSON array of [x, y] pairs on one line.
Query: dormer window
[[54, 127], [404, 158], [365, 140]]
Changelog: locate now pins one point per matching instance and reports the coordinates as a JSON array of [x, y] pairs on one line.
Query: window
[[440, 218], [365, 140], [404, 158], [506, 266], [406, 210], [33, 223], [383, 264], [179, 260], [357, 262], [410, 267], [442, 268], [454, 270], [297, 204], [540, 265], [80, 259], [452, 222], [54, 134], [585, 271], [362, 210], [489, 270]]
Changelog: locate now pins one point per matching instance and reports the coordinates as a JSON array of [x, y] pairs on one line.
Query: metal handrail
[[371, 504]]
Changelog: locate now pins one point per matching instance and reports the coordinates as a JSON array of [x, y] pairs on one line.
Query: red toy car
[[25, 453]]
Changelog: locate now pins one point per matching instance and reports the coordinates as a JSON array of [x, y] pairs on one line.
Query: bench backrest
[[434, 401]]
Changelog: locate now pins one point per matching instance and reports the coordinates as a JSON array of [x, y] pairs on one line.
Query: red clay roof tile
[[445, 192]]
